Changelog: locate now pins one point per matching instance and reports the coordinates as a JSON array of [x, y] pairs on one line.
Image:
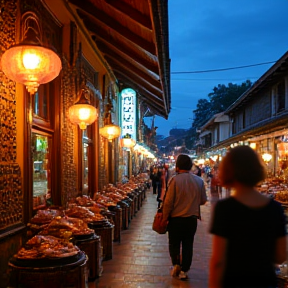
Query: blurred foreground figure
[[248, 228]]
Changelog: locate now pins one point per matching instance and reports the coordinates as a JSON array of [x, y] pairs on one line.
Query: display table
[[66, 272]]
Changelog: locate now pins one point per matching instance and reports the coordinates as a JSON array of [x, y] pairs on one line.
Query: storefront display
[[77, 239]]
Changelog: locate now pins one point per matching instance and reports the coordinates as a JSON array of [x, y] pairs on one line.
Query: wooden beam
[[136, 79], [115, 48], [143, 91], [136, 16], [134, 70], [88, 9]]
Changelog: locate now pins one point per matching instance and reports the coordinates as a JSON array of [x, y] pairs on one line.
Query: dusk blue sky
[[209, 34]]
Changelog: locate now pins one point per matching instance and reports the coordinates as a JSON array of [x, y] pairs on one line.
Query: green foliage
[[218, 101], [177, 132], [223, 96], [202, 113]]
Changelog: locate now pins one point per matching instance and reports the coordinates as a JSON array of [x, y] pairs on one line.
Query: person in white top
[[181, 208]]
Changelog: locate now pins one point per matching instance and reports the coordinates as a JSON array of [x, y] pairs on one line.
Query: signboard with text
[[128, 107]]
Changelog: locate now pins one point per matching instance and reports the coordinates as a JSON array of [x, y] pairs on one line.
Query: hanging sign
[[128, 107]]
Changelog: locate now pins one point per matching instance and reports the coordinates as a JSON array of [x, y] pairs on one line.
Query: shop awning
[[266, 127], [133, 39]]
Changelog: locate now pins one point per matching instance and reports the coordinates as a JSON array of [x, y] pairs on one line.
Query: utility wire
[[223, 69], [211, 79]]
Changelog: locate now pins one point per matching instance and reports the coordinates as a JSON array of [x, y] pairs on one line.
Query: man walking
[[181, 207]]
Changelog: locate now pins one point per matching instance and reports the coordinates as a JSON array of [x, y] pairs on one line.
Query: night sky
[[210, 35]]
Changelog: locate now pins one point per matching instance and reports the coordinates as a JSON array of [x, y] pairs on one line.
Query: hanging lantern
[[253, 145], [127, 141], [266, 157], [30, 63], [82, 112], [109, 131]]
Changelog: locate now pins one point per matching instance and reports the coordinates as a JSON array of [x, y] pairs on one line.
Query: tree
[[223, 96], [177, 132], [202, 113], [219, 100]]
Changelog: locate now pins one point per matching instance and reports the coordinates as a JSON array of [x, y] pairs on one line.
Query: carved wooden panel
[[74, 76], [49, 27], [69, 132], [11, 198]]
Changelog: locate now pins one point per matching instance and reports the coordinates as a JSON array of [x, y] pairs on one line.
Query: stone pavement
[[142, 258]]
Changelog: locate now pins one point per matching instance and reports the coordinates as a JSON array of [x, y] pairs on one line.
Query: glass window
[[41, 145], [85, 170], [40, 102], [281, 96]]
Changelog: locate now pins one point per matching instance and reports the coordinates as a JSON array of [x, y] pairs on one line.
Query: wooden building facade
[[104, 46]]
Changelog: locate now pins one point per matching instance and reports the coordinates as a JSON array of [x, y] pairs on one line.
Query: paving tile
[[142, 259]]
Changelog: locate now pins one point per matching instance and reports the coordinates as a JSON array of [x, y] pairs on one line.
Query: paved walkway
[[142, 258]]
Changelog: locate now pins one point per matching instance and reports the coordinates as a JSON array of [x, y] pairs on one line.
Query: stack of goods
[[41, 219], [46, 251], [47, 261], [84, 213], [98, 222], [274, 186], [104, 200], [46, 247], [282, 197], [67, 227]]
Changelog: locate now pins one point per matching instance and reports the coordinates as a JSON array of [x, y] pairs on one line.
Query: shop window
[[40, 103], [85, 169], [41, 147], [280, 94], [217, 135]]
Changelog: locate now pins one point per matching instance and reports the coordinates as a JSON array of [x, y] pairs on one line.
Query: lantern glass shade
[[266, 157], [83, 115], [82, 112], [110, 131], [31, 65], [128, 142]]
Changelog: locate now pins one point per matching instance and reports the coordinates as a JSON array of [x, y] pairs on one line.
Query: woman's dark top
[[251, 235]]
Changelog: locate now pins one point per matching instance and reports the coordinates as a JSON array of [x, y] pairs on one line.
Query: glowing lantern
[[253, 145], [82, 112], [266, 157], [30, 63], [127, 141], [109, 131]]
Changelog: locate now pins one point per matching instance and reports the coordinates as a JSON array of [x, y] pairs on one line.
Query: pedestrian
[[160, 184], [162, 191], [196, 170], [167, 176], [248, 228], [181, 207], [154, 176], [215, 187]]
